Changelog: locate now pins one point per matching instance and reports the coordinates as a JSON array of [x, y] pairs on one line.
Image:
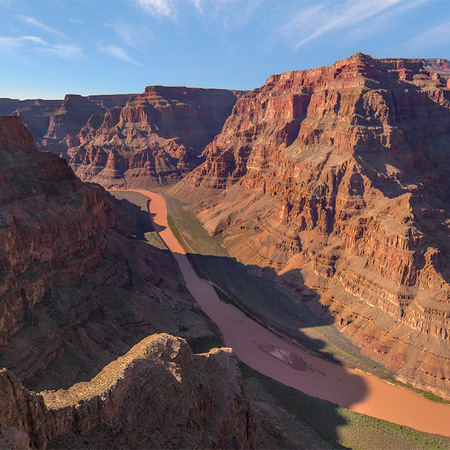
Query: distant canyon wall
[[134, 140]]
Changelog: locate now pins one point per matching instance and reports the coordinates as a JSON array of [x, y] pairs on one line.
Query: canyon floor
[[294, 366]]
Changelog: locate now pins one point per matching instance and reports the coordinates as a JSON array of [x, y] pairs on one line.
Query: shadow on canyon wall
[[252, 290], [105, 323]]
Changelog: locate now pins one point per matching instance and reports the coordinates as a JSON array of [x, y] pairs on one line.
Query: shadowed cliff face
[[52, 226], [75, 295], [75, 290], [340, 174]]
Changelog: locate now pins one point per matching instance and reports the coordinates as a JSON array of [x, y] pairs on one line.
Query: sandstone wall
[[51, 226], [342, 172]]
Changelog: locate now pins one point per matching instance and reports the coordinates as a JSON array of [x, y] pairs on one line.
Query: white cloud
[[14, 45], [313, 22], [159, 8], [116, 52], [198, 5], [36, 40], [137, 38], [34, 22], [66, 51], [168, 9]]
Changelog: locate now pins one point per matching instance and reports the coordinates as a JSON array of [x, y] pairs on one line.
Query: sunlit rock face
[[154, 139], [339, 178], [134, 140], [158, 395]]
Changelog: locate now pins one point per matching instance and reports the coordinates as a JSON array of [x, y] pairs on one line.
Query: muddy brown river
[[293, 366]]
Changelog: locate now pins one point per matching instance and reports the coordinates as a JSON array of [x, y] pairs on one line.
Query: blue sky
[[52, 47]]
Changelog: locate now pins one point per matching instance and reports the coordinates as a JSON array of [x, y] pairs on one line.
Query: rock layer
[[52, 226], [154, 139], [338, 178], [158, 395], [75, 292]]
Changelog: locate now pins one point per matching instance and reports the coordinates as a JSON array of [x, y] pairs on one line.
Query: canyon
[[98, 330], [83, 305], [336, 179], [332, 183]]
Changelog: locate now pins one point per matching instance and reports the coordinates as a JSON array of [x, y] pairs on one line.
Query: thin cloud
[[117, 52], [19, 44], [198, 5], [66, 51], [159, 8], [35, 23], [137, 38], [168, 9], [314, 22], [435, 37]]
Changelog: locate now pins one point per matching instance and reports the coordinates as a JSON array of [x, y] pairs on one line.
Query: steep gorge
[[338, 179], [86, 303]]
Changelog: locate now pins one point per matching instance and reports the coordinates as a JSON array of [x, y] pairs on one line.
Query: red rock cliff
[[51, 226], [339, 176], [154, 139]]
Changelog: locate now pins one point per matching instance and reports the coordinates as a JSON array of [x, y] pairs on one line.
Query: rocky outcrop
[[154, 139], [338, 178], [158, 395]]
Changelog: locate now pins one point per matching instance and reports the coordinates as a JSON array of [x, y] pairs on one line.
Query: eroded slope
[[338, 179]]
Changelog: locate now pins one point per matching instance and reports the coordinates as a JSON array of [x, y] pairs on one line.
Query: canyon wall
[[77, 286], [154, 139], [77, 292], [52, 226], [143, 140], [337, 178]]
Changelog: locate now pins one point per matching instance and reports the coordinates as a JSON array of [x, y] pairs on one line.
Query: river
[[294, 366]]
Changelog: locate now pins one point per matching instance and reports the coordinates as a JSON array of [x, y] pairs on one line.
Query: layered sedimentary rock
[[154, 139], [52, 226], [34, 113], [74, 292], [124, 140], [338, 179], [158, 395], [438, 66], [55, 124]]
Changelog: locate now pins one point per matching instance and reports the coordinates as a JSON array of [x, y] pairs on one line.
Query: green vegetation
[[342, 427], [434, 397], [260, 297]]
